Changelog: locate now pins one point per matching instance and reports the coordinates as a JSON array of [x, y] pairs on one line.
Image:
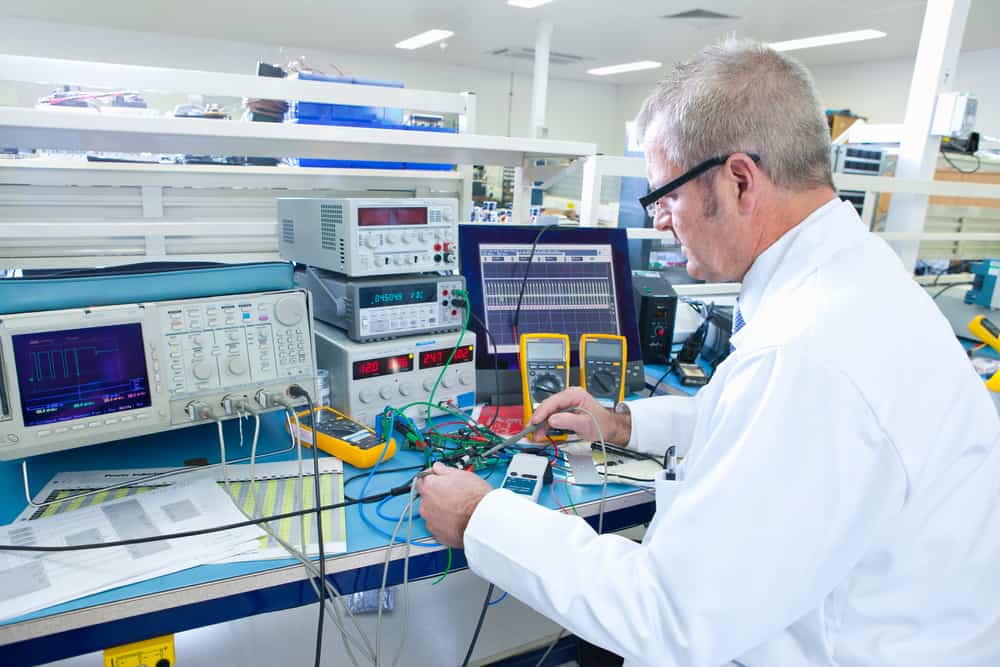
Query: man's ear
[[746, 175]]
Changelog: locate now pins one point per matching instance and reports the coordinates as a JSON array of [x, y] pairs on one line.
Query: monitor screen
[[579, 281], [78, 373]]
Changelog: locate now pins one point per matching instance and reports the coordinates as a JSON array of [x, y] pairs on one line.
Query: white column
[[540, 83], [933, 73]]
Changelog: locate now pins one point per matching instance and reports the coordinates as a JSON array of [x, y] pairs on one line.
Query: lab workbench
[[205, 594]]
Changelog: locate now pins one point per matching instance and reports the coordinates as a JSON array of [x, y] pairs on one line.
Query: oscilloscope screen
[[569, 289], [76, 373]]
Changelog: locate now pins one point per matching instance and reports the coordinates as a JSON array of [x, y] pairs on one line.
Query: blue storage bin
[[317, 112], [374, 164]]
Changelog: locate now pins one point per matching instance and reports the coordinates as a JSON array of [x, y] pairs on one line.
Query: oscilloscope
[[81, 376]]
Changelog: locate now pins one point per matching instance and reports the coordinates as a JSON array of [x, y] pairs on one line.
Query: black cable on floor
[[479, 625]]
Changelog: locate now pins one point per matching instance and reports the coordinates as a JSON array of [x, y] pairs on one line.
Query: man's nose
[[663, 221]]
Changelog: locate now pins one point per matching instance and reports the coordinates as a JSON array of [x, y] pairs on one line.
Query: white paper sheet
[[277, 491], [34, 580]]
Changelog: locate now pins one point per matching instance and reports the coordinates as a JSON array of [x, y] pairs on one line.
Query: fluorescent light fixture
[[424, 38], [528, 4], [627, 67], [827, 40]]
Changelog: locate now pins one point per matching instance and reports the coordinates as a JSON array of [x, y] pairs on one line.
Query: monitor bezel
[[471, 236]]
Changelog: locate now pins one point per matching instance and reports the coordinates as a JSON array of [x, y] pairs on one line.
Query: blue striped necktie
[[738, 322]]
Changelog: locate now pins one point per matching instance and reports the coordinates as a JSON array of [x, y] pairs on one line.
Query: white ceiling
[[604, 32]]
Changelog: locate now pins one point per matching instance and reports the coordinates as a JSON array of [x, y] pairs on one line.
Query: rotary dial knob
[[201, 371], [289, 311]]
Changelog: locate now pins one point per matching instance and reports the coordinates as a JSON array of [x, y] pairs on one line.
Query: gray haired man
[[838, 498]]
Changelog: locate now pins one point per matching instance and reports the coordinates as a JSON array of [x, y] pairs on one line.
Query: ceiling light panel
[[627, 67], [424, 38], [528, 4], [827, 40]]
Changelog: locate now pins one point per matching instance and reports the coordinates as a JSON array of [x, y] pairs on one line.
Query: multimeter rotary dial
[[546, 384], [602, 382]]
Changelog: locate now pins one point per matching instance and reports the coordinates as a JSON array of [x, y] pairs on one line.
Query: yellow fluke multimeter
[[986, 331], [544, 370], [989, 333], [602, 367], [341, 436]]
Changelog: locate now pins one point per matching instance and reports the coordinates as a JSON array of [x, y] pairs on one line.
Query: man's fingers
[[570, 421]]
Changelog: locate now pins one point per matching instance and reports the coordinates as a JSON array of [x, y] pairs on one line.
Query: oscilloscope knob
[[465, 378], [289, 311], [428, 384], [406, 388], [447, 382], [407, 236], [385, 391], [366, 395], [424, 237], [237, 366], [391, 237], [371, 241], [201, 371]]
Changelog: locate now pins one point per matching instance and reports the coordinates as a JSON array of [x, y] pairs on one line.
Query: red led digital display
[[435, 358], [370, 368], [389, 216]]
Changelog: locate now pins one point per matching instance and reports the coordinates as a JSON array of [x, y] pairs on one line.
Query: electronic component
[[544, 369], [691, 375], [985, 290], [602, 367], [577, 281], [526, 475], [656, 310], [370, 237], [370, 376], [81, 376], [341, 436], [383, 308]]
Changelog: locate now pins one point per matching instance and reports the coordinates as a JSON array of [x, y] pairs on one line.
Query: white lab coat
[[838, 501]]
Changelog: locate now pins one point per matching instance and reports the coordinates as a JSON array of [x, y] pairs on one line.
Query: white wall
[[577, 110], [878, 90]]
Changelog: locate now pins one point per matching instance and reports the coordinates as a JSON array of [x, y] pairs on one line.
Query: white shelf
[[61, 172], [109, 76], [76, 131]]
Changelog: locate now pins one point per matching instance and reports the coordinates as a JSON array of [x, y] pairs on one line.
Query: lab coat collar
[[761, 277]]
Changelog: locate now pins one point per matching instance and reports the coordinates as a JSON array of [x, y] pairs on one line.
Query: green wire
[[447, 569], [569, 496], [458, 344]]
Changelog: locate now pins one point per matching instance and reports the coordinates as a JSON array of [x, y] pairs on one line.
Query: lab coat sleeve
[[794, 482], [658, 423]]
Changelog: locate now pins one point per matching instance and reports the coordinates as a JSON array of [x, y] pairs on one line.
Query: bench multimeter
[[544, 370], [526, 475], [341, 436], [602, 367]]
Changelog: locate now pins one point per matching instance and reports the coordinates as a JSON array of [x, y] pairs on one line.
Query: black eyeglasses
[[648, 201]]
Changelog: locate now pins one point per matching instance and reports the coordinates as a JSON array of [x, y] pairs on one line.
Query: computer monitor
[[578, 281]]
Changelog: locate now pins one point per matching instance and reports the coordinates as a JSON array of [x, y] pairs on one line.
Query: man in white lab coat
[[837, 502]]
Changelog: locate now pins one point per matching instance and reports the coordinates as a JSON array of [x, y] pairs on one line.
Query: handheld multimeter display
[[544, 369], [341, 436], [602, 367]]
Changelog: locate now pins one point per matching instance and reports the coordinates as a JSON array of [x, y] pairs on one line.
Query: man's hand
[[616, 427], [448, 497]]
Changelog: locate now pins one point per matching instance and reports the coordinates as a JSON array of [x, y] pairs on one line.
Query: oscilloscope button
[[44, 434]]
